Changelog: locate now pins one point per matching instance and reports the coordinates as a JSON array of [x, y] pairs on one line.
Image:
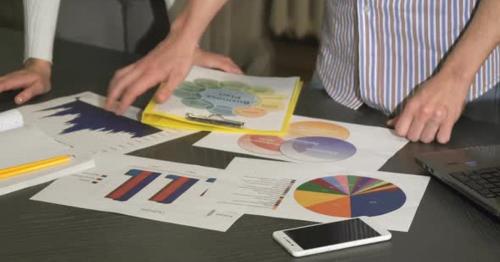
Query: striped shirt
[[377, 52]]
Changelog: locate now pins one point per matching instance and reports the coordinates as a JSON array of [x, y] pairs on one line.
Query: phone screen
[[331, 233]]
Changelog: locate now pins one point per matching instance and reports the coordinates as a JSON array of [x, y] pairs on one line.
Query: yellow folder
[[155, 115]]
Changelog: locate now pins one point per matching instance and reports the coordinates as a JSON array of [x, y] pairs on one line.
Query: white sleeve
[[40, 20], [169, 3]]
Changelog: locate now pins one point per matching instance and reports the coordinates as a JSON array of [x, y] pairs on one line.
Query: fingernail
[[19, 100]]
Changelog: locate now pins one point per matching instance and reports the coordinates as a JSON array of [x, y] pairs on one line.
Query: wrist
[[186, 33], [39, 65], [457, 76]]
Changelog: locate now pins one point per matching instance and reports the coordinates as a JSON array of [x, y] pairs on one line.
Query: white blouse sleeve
[[40, 19]]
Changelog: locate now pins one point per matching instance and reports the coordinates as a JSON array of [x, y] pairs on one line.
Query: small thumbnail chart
[[349, 196], [139, 179], [308, 141]]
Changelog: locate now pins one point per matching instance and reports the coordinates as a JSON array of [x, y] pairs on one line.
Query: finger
[[444, 133], [166, 89], [219, 62], [225, 64], [28, 93], [16, 81], [136, 89], [119, 74], [115, 91], [405, 119], [392, 122], [419, 123], [432, 126]]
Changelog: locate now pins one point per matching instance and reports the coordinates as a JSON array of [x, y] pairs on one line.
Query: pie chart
[[317, 149], [349, 196], [261, 144]]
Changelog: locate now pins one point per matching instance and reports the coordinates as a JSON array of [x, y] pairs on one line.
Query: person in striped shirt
[[418, 61]]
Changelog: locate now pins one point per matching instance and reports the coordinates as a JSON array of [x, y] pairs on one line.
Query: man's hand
[[433, 111], [33, 79]]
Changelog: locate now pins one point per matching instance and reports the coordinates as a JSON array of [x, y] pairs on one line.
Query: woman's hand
[[33, 80]]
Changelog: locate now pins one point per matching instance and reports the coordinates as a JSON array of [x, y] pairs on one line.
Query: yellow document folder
[[211, 100]]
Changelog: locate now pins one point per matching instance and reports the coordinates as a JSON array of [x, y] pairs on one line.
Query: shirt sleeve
[[40, 20]]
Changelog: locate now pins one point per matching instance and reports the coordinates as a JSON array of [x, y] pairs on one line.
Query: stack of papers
[[22, 145]]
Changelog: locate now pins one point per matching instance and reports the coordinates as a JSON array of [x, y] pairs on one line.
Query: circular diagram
[[349, 196], [229, 98], [308, 141], [317, 149]]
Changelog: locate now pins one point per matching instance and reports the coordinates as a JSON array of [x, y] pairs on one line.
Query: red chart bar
[[139, 180], [178, 186]]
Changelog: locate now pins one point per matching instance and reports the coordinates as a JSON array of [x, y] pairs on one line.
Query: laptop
[[472, 171]]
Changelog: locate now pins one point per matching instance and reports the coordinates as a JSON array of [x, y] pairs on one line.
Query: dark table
[[447, 226]]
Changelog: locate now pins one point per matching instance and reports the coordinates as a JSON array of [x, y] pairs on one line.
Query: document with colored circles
[[212, 100], [306, 192], [313, 140]]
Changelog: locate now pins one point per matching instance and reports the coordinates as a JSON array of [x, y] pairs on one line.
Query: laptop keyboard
[[484, 181]]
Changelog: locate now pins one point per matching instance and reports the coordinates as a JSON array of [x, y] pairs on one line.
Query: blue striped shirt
[[377, 52]]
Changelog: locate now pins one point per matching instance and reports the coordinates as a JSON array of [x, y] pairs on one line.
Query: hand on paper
[[33, 79], [433, 111], [168, 63]]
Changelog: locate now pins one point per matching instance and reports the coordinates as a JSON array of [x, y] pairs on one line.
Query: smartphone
[[319, 238]]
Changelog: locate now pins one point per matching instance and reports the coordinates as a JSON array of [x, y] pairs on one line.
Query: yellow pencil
[[34, 166]]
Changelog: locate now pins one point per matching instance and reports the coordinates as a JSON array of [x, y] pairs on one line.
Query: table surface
[[447, 227]]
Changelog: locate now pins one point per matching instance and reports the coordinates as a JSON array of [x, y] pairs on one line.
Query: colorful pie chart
[[349, 196], [317, 149]]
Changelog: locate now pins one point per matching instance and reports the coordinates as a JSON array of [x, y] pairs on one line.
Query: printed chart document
[[27, 144], [145, 188], [313, 140], [220, 100], [80, 122], [305, 192]]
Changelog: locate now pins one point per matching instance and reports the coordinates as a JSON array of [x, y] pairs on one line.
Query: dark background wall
[[292, 57], [11, 14]]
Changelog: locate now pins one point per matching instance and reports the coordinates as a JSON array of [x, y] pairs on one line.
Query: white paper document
[[10, 119], [306, 192], [81, 122], [28, 144], [313, 140], [145, 188]]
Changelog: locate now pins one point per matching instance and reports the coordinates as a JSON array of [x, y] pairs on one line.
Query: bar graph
[[139, 180], [175, 187], [178, 186]]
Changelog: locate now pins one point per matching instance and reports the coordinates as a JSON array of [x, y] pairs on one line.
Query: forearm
[[40, 18], [478, 40], [190, 25]]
